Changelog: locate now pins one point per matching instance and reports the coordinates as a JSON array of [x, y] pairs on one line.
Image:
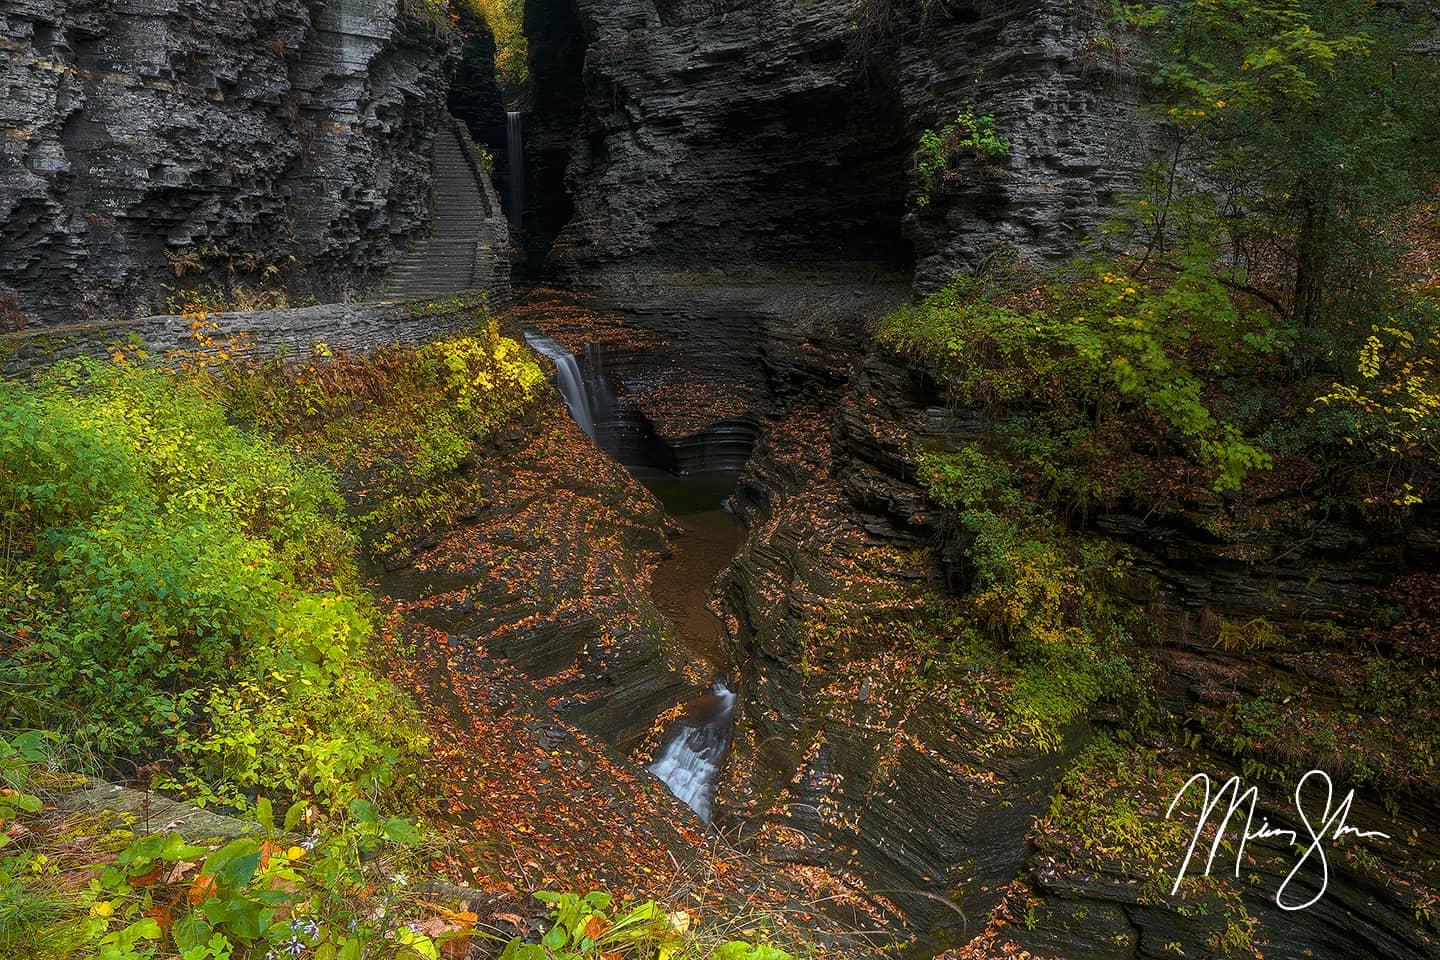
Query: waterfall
[[515, 144], [567, 378], [690, 761]]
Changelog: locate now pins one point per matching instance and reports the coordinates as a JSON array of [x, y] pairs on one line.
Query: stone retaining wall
[[257, 335]]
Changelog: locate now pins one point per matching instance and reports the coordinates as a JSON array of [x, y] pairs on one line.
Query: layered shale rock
[[1252, 648], [739, 135], [162, 140]]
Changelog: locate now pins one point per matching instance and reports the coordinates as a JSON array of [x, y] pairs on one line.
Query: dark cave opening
[[557, 96], [812, 176]]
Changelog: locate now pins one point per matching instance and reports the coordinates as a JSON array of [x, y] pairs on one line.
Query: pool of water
[[710, 536]]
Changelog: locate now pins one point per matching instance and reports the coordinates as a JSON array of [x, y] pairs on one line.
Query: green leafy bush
[[162, 563], [968, 134], [585, 929], [340, 894], [1078, 363], [506, 20], [1390, 405], [397, 424], [1037, 595], [1295, 134]]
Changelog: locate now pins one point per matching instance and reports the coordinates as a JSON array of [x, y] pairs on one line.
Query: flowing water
[[515, 153], [568, 379], [693, 478], [691, 760]]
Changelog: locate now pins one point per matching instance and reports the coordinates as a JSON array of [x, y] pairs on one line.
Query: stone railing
[[260, 335]]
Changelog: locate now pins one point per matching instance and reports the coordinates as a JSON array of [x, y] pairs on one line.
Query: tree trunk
[[1310, 257]]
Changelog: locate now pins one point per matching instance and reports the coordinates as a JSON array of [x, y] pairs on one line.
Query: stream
[[693, 479]]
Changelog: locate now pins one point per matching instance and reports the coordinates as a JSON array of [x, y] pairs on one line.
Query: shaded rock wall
[[475, 93], [277, 142], [747, 134], [557, 58], [1058, 94]]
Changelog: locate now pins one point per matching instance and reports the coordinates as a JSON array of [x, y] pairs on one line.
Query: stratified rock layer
[[848, 757], [161, 141], [739, 135]]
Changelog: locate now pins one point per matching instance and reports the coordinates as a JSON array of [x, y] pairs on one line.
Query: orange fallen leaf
[[147, 878], [202, 889]]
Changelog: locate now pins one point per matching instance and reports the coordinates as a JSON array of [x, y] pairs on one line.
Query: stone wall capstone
[[260, 335]]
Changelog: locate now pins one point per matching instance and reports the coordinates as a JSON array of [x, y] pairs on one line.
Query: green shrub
[[398, 424], [585, 928], [1077, 361], [1038, 596], [967, 135], [160, 560]]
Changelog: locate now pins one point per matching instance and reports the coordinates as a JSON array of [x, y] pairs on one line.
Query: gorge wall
[[739, 134], [165, 141], [678, 148], [857, 750]]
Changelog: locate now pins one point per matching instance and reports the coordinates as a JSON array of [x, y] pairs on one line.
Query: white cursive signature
[[1331, 825]]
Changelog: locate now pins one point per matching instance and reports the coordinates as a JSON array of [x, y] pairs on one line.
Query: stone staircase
[[468, 245]]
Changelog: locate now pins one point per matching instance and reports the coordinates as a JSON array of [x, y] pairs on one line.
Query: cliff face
[[783, 133], [850, 755], [147, 141], [1060, 95]]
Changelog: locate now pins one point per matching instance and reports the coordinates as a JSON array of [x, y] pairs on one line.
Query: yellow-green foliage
[[398, 423], [94, 885], [1078, 362], [1394, 399], [1108, 818], [166, 571], [1038, 595], [506, 19], [585, 928], [1110, 810]]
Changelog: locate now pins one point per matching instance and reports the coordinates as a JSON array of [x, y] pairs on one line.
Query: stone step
[[444, 262]]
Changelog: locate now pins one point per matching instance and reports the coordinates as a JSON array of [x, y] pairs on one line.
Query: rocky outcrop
[[730, 136], [734, 136], [849, 758], [177, 142], [1062, 94]]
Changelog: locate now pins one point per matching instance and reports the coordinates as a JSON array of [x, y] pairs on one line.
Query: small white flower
[[399, 879]]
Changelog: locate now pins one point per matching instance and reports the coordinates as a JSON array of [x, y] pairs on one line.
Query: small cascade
[[515, 151], [691, 759], [693, 477], [567, 376]]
